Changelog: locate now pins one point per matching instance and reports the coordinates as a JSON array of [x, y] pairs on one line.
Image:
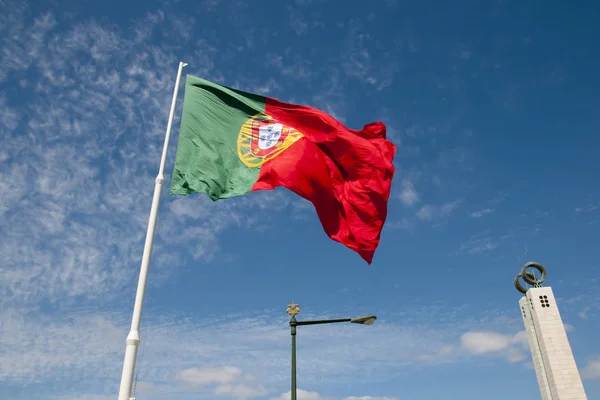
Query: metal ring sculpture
[[529, 276]]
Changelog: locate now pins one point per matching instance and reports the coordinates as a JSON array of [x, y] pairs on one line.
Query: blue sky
[[494, 110]]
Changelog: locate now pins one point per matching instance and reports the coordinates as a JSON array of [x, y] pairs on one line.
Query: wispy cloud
[[405, 224], [77, 173], [486, 241], [453, 158], [297, 22], [430, 212], [587, 208], [290, 65], [220, 352], [87, 396], [479, 245], [500, 197], [357, 56], [443, 353], [481, 213], [591, 370], [82, 134], [75, 199], [408, 195], [64, 202]]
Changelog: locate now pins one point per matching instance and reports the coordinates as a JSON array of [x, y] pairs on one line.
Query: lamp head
[[364, 319]]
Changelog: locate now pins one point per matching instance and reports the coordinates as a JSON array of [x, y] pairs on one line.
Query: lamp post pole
[[293, 310], [293, 329]]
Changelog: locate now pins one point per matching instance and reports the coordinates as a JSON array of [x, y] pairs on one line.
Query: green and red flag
[[232, 142]]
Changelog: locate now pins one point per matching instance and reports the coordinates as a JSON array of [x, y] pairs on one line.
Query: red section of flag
[[345, 173]]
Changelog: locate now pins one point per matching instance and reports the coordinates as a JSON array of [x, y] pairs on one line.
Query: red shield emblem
[[262, 138]]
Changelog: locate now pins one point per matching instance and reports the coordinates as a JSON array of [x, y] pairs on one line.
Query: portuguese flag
[[232, 143]]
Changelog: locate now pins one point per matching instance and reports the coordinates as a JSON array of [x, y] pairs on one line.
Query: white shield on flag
[[268, 135]]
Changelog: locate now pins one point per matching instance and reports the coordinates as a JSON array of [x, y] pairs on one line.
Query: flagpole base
[[132, 341]]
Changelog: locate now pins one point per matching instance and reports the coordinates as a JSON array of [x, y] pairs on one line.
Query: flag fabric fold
[[232, 142]]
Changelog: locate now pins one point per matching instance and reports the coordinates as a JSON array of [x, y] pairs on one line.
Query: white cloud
[[302, 395], [208, 375], [481, 213], [521, 339], [240, 391], [147, 388], [86, 396], [371, 398], [305, 395], [430, 212], [409, 195], [592, 369], [487, 342], [223, 381], [514, 355]]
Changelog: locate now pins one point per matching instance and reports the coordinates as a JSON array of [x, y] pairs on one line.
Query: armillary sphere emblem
[[528, 273], [293, 309]]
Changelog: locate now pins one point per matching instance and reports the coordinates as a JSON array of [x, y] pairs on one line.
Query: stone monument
[[555, 367]]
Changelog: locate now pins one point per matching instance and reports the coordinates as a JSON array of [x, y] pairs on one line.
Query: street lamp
[[293, 310]]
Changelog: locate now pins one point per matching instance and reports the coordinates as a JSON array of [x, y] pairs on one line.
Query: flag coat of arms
[[232, 142]]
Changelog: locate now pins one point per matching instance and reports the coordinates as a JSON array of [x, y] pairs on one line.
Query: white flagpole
[[133, 339]]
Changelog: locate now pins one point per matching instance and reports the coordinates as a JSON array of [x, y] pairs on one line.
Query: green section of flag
[[207, 159]]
